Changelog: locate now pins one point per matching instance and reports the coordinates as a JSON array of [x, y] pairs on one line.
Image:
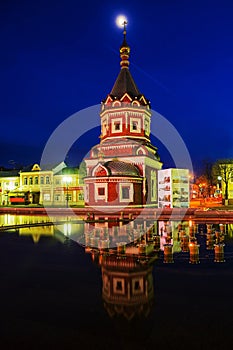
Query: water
[[57, 294]]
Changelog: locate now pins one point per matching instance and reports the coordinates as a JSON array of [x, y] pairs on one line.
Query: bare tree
[[208, 174], [224, 169]]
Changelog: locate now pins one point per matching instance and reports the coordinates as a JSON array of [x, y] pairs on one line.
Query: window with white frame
[[137, 285], [80, 197], [47, 197], [126, 192], [104, 127], [146, 127], [101, 190], [153, 185], [57, 197], [68, 197], [116, 125], [118, 285], [135, 125]]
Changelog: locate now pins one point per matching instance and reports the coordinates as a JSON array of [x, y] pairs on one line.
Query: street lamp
[[67, 180], [219, 182]]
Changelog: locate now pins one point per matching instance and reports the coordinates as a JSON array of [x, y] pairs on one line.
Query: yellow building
[[230, 190], [224, 173], [54, 186], [9, 181], [67, 189]]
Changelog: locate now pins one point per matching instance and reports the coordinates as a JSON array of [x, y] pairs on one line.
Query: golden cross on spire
[[124, 24]]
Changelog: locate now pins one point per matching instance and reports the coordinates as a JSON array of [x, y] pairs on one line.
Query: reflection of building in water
[[147, 236], [37, 232], [127, 287]]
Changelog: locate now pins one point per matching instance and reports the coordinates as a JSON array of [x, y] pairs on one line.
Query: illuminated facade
[[122, 169], [33, 185], [173, 188], [9, 181], [226, 178]]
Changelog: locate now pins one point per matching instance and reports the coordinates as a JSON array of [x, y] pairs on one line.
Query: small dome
[[117, 168]]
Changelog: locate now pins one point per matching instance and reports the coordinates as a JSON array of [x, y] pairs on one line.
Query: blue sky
[[58, 57]]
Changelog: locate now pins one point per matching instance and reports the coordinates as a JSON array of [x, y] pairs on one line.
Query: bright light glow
[[120, 20], [219, 178], [67, 179], [10, 186]]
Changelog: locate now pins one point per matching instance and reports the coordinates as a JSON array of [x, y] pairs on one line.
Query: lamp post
[[67, 180], [219, 182]]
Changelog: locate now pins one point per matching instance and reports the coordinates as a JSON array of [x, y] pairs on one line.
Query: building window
[[46, 197], [116, 125], [101, 191], [57, 181], [30, 180], [137, 284], [147, 127], [118, 286], [16, 184], [106, 282], [57, 197], [105, 128], [42, 180], [68, 197], [25, 182], [135, 125], [153, 186], [80, 197], [126, 192], [36, 180], [47, 180]]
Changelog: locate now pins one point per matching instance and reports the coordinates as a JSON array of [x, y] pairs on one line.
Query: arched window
[[42, 180], [47, 180], [30, 180], [36, 180], [25, 181]]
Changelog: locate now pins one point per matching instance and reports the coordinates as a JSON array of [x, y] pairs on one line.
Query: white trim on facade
[[98, 196]]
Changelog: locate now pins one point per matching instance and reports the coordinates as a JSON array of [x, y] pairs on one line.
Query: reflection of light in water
[[67, 229]]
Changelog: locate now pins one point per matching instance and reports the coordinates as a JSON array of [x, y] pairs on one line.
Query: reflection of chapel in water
[[127, 283]]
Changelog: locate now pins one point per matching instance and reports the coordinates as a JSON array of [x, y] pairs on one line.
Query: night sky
[[58, 57]]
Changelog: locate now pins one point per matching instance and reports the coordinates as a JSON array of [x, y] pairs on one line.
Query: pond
[[59, 292]]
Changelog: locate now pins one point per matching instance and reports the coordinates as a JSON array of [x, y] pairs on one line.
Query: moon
[[120, 20]]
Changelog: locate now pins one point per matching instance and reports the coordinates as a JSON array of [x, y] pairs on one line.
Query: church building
[[122, 169]]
